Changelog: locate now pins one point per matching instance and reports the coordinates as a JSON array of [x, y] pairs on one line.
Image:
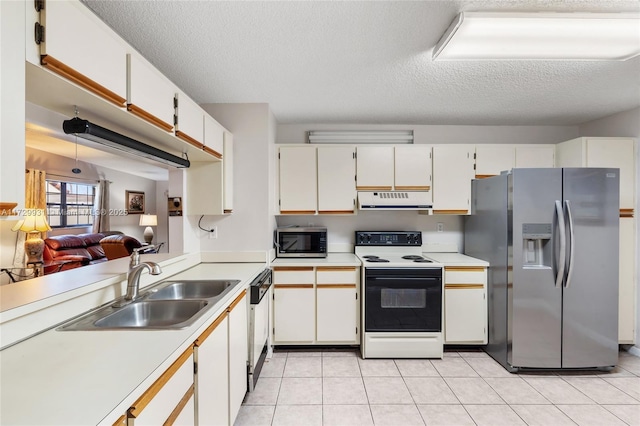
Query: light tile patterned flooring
[[335, 387]]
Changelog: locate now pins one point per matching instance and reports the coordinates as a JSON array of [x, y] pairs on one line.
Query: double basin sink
[[168, 305]]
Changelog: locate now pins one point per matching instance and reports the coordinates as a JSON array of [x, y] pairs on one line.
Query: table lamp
[[148, 220], [33, 224]]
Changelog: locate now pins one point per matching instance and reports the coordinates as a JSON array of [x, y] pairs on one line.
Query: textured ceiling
[[366, 62]]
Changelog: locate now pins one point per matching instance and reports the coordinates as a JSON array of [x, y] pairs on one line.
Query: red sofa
[[74, 250]]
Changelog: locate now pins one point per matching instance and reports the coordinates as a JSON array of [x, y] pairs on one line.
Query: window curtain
[[35, 197], [101, 206]]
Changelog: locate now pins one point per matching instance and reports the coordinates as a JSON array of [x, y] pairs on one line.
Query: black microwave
[[301, 242]]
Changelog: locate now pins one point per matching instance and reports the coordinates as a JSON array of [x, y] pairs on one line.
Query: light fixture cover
[[540, 35], [148, 220], [95, 133], [35, 220], [361, 137]]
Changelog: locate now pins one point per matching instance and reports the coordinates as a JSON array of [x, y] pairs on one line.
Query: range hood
[[394, 200], [95, 133]]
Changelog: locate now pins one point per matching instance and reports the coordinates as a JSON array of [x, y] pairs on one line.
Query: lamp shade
[[148, 220], [35, 220]]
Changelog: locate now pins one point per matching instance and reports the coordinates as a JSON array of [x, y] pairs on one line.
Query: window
[[70, 204]]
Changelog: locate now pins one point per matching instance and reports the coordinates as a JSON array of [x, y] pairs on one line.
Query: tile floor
[[336, 387]]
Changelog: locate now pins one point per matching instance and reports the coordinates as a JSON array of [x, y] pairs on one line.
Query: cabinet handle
[[150, 118], [293, 285], [293, 268], [336, 268], [627, 212], [484, 176], [205, 334], [450, 212], [183, 403], [335, 285], [464, 268], [236, 301], [297, 212], [69, 73], [413, 188], [462, 286], [373, 188], [334, 212]]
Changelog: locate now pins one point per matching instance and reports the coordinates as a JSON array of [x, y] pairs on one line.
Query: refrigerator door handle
[[572, 245], [563, 243]]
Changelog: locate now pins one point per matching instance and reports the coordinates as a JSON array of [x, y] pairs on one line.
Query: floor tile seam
[[583, 393], [612, 413], [598, 405], [490, 387], [623, 391], [525, 382]]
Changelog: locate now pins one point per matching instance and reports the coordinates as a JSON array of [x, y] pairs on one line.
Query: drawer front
[[293, 275], [337, 275], [465, 275]]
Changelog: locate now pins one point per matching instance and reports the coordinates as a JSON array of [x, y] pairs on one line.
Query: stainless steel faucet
[[133, 281], [135, 255]]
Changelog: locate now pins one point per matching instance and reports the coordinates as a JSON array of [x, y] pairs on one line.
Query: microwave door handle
[[572, 244], [559, 214]]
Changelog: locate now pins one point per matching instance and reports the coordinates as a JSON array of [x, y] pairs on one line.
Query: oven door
[[403, 299]]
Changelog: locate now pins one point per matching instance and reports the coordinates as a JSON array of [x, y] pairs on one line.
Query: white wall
[[58, 167], [250, 226], [623, 124], [295, 133]]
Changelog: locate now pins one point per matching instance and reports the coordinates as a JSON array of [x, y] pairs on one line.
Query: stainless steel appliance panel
[[486, 237], [535, 317], [590, 302]]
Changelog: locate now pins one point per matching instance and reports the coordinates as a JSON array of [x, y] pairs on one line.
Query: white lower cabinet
[[627, 281], [465, 305], [238, 354], [316, 305], [212, 379], [170, 400]]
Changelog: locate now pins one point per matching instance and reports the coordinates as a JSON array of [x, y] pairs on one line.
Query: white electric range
[[402, 296]]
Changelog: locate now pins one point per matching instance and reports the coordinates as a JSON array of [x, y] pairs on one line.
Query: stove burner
[[422, 260], [412, 257], [370, 256], [376, 259]]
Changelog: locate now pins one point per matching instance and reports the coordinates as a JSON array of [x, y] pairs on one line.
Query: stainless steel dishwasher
[[258, 325]]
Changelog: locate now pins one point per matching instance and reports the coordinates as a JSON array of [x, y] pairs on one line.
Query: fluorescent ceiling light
[[361, 137], [95, 133], [546, 36]]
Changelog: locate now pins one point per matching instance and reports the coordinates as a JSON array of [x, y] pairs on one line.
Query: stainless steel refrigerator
[[551, 237]]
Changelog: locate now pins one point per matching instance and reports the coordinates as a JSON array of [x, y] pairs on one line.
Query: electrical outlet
[[440, 227], [214, 233]]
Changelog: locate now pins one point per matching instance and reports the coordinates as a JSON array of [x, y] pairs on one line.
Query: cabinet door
[[213, 136], [227, 173], [189, 121], [213, 378], [238, 354], [465, 314], [83, 49], [413, 168], [491, 160], [203, 188], [166, 397], [150, 95], [336, 179], [452, 175], [533, 156], [337, 304], [627, 278], [374, 168], [294, 313], [620, 153], [298, 180]]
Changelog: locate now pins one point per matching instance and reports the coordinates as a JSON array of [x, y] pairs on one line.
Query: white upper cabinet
[[535, 156], [375, 168], [227, 172], [452, 175], [190, 120], [213, 136], [413, 167], [150, 95], [492, 159], [83, 49], [298, 179], [336, 179]]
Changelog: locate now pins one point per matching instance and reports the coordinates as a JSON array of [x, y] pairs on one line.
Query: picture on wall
[[134, 202]]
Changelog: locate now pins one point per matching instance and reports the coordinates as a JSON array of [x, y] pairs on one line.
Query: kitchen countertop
[[455, 259], [332, 259], [92, 377]]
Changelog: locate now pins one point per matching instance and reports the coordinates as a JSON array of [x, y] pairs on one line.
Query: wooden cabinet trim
[[465, 268], [183, 403], [450, 212], [122, 421], [54, 65], [463, 286], [211, 151], [484, 176], [412, 188], [373, 188], [335, 286], [236, 301], [336, 211], [336, 268], [205, 334], [142, 402], [293, 286], [148, 117], [297, 212], [627, 212], [6, 209], [292, 268], [188, 139]]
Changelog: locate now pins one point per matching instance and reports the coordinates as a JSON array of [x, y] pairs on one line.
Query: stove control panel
[[389, 238]]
